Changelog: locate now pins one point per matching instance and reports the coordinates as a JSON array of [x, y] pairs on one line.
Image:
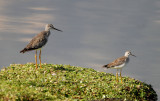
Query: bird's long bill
[[57, 29], [133, 55]]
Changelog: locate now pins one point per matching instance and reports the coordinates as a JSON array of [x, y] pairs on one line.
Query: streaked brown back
[[117, 62]]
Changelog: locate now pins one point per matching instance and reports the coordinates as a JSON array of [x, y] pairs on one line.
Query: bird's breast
[[47, 35], [120, 66]]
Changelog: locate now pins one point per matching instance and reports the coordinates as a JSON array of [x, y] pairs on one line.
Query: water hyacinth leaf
[[65, 82]]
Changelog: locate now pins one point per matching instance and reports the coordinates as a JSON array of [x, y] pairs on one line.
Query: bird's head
[[127, 53], [50, 26]]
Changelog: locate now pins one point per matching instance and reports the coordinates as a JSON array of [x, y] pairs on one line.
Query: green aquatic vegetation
[[65, 82]]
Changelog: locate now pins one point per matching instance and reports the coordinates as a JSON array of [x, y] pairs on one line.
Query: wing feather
[[117, 62], [37, 42]]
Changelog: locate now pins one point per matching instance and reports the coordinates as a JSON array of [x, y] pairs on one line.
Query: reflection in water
[[25, 39], [41, 8], [94, 33]]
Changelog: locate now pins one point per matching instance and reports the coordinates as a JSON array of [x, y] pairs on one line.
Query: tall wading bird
[[39, 41], [119, 63]]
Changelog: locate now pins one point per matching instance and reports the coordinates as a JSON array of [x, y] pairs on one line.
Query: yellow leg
[[40, 58], [121, 75], [117, 76], [36, 59]]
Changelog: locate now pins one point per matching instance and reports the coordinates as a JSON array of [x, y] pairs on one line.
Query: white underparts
[[120, 66]]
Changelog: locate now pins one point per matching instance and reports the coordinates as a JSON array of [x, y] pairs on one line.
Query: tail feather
[[23, 51], [105, 66]]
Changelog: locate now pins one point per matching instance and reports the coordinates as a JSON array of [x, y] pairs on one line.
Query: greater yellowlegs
[[39, 41], [119, 63]]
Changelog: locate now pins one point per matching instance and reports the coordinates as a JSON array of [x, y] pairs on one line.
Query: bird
[[119, 63], [39, 41]]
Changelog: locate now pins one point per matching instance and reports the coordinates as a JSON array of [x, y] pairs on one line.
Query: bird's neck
[[126, 56], [47, 29], [47, 34]]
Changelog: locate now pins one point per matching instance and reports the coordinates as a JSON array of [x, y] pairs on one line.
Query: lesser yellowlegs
[[119, 63]]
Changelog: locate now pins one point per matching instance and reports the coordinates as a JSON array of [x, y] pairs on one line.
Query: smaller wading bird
[[119, 63], [39, 41]]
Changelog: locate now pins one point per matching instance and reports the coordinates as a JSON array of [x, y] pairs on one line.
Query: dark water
[[95, 32]]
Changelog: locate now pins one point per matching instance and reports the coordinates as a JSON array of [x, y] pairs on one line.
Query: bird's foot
[[36, 66], [121, 80]]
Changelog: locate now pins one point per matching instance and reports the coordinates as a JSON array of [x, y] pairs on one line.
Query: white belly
[[120, 66]]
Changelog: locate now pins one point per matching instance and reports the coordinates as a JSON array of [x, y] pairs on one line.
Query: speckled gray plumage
[[37, 42]]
